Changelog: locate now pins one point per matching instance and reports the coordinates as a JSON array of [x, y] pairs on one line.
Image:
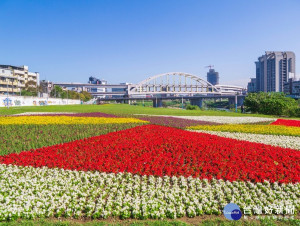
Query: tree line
[[56, 92]]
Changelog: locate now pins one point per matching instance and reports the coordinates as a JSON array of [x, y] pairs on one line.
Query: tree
[[271, 104], [57, 92], [31, 89], [87, 96], [26, 93]]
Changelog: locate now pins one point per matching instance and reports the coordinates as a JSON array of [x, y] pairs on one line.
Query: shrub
[[192, 107]]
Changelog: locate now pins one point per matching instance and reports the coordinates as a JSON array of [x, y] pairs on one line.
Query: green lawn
[[120, 109], [17, 138]]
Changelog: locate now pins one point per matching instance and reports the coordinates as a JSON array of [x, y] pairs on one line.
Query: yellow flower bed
[[256, 129], [65, 120]]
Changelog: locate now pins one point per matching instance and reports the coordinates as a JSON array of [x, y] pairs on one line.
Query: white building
[[14, 78]]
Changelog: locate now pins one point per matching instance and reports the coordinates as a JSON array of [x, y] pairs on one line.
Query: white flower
[[29, 192]]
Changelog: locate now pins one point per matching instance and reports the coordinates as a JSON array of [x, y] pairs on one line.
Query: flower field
[[285, 122], [28, 192], [226, 119], [17, 138], [90, 114], [175, 121], [165, 151], [65, 120], [292, 142], [96, 166], [254, 129]]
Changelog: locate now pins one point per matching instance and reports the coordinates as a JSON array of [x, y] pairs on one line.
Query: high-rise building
[[213, 77], [251, 86], [273, 69], [13, 79], [96, 81]]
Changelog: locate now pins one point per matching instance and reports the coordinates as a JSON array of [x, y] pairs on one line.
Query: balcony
[[9, 76], [16, 90], [2, 89], [3, 82], [32, 74], [31, 79], [19, 72], [5, 74]]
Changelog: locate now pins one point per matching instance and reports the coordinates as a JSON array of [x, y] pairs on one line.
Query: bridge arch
[[173, 83]]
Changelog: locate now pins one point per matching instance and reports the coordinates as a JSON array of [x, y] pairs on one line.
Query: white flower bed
[[228, 119], [28, 192], [275, 140], [221, 119]]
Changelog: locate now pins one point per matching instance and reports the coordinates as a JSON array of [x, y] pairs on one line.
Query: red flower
[[285, 122], [159, 150]]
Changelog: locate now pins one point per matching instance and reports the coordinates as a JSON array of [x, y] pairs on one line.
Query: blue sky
[[130, 40]]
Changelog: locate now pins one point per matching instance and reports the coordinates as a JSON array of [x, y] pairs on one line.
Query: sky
[[131, 40]]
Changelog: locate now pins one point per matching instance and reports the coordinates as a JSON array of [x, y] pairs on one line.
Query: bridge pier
[[157, 103], [198, 102], [236, 101]]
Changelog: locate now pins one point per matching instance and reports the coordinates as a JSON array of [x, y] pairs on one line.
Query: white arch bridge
[[177, 83], [180, 85], [172, 85]]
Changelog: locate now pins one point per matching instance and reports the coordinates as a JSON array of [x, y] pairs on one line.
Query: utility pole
[[12, 87], [182, 102], [7, 94], [235, 102]]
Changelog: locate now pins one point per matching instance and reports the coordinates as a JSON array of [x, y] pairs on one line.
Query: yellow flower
[[257, 129], [65, 120]]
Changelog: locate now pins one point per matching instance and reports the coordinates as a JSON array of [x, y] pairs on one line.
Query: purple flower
[[175, 122]]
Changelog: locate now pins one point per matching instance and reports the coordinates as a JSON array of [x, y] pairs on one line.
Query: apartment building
[[273, 69], [14, 78]]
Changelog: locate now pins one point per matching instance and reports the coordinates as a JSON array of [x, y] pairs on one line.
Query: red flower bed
[[285, 122], [159, 150]]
